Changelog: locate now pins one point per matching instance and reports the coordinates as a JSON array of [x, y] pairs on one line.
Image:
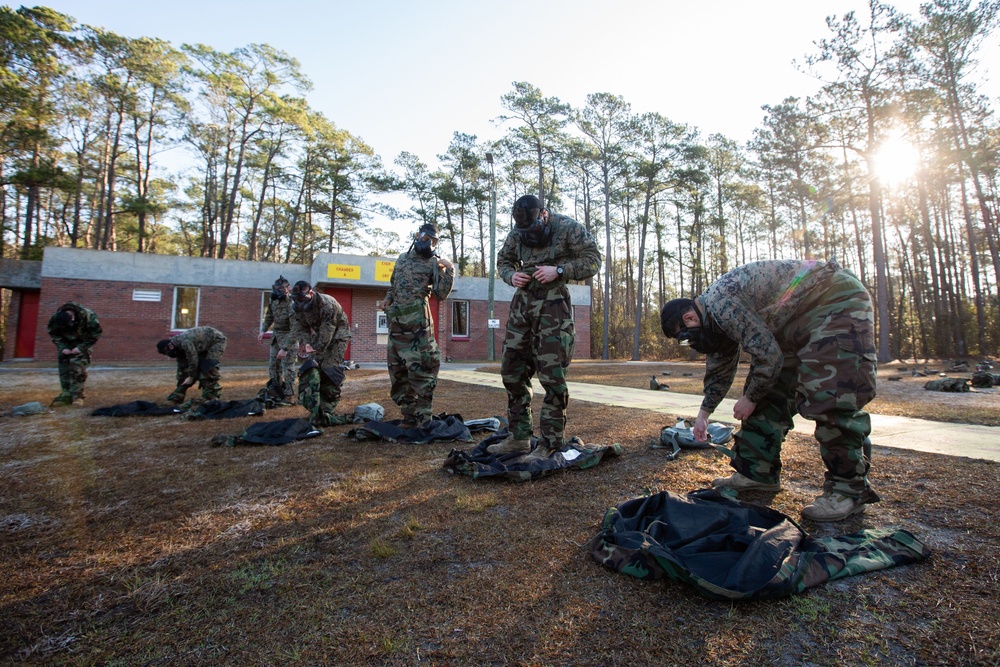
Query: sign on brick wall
[[343, 271], [383, 270]]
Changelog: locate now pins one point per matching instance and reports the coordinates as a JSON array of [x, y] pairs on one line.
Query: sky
[[404, 75]]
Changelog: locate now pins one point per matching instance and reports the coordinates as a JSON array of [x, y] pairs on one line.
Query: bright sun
[[896, 160]]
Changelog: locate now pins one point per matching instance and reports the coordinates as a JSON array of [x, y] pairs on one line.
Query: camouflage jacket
[[320, 326], [193, 342], [571, 247], [277, 318], [415, 278], [752, 305], [86, 329]]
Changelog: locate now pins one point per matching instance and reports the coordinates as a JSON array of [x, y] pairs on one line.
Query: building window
[[186, 301], [459, 319]]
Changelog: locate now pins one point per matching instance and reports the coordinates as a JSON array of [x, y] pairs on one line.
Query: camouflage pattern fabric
[[198, 353], [81, 335], [824, 339], [540, 336], [731, 550], [324, 326], [413, 356], [984, 380], [480, 463], [956, 385], [281, 372]]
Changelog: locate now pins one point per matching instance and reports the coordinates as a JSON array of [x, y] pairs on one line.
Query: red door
[[27, 325], [343, 296]]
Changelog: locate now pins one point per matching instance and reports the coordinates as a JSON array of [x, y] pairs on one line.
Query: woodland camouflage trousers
[[413, 359], [282, 371], [540, 340], [72, 375], [320, 383], [209, 376], [828, 377]]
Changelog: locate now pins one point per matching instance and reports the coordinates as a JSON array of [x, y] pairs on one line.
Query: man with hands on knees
[[808, 327]]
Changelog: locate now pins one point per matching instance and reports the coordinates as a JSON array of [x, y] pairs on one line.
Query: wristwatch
[[559, 270]]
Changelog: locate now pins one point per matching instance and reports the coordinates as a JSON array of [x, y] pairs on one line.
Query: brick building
[[141, 298]]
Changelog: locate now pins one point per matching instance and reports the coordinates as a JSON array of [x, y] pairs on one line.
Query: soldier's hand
[[744, 408], [260, 336], [309, 349], [188, 381], [445, 263], [282, 354], [75, 350], [700, 428], [520, 279], [545, 274], [67, 351]]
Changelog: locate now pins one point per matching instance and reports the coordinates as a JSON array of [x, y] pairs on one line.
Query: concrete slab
[[922, 435]]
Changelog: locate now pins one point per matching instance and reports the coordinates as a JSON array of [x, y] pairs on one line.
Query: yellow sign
[[343, 272], [383, 270]]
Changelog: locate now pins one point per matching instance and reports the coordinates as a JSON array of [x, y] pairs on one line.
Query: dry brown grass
[[132, 541]]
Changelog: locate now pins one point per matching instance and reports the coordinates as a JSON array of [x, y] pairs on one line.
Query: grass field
[[134, 542]]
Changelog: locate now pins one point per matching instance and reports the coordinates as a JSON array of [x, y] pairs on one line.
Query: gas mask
[[532, 229], [301, 302], [278, 293], [704, 339], [424, 245]]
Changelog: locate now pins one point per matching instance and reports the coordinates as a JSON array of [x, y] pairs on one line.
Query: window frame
[[173, 311], [467, 307]]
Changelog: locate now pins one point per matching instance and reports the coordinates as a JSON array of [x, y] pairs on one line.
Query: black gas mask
[[424, 245], [301, 301], [531, 227], [704, 339], [278, 293]]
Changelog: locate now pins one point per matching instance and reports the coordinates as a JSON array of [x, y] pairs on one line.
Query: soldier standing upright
[[197, 352], [539, 255], [319, 335], [74, 329], [413, 355], [281, 371], [808, 327]]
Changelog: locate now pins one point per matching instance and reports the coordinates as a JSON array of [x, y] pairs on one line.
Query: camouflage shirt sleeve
[[445, 280], [749, 330], [586, 257], [187, 360], [508, 262], [268, 316], [333, 326]]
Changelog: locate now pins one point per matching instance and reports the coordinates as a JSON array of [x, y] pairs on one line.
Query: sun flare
[[896, 160]]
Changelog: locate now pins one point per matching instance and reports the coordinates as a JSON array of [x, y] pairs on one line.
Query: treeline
[[87, 116]]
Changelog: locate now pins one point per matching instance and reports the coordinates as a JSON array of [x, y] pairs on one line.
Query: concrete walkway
[[922, 435]]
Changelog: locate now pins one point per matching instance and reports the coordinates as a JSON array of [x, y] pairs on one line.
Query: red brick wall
[[476, 346], [131, 328]]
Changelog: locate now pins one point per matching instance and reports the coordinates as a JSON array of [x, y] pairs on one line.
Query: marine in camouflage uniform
[[197, 351], [74, 329], [808, 328], [277, 319], [540, 254], [320, 333], [413, 355]]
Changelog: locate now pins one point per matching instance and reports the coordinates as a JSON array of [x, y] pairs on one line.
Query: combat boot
[[539, 452], [510, 445], [739, 482], [833, 506]]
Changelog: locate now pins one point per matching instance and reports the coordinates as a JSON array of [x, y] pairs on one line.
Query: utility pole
[[491, 335]]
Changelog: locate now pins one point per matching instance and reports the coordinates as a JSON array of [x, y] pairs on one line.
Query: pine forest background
[[86, 116]]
